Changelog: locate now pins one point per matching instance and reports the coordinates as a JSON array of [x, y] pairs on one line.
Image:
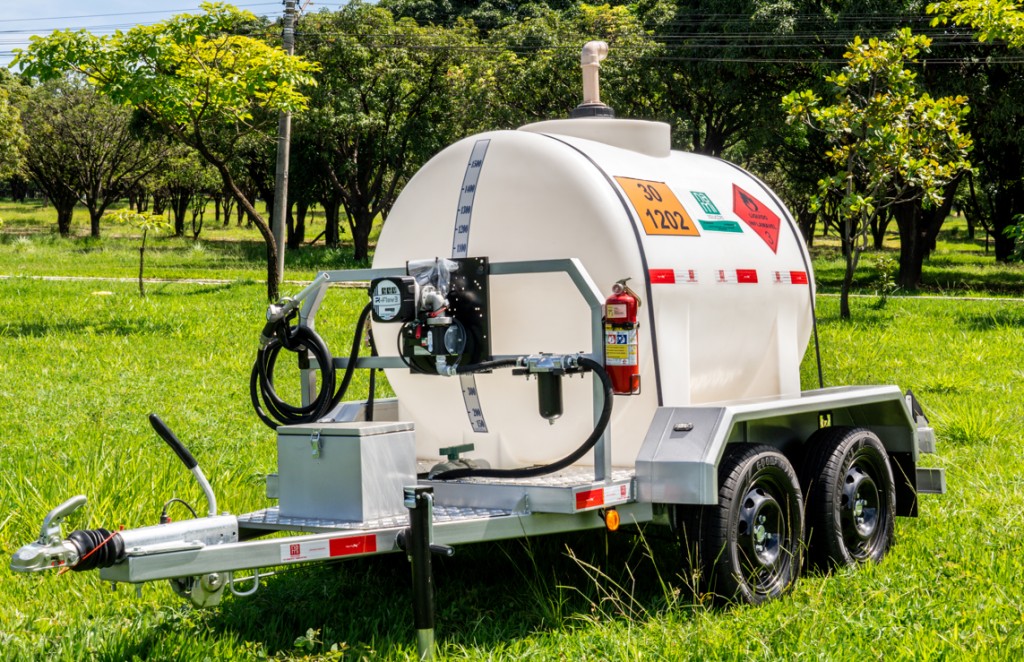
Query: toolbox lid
[[351, 429]]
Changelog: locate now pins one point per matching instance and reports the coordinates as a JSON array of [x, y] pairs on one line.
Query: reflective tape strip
[[603, 496], [673, 276], [789, 277], [735, 275], [460, 248], [325, 549]]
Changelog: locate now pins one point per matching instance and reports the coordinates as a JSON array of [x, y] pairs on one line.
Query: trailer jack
[[418, 545]]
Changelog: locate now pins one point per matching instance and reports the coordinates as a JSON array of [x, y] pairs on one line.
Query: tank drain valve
[[455, 461]]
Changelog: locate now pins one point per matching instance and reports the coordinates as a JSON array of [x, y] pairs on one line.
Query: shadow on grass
[[163, 289], [119, 328], [488, 594], [989, 321]]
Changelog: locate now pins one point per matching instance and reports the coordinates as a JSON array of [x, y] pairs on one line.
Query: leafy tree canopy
[[12, 138], [198, 76], [992, 20], [888, 142]]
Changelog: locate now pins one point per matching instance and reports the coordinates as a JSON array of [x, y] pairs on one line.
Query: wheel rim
[[763, 536], [861, 508]]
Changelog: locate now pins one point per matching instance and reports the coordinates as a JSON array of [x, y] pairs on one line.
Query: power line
[[134, 13]]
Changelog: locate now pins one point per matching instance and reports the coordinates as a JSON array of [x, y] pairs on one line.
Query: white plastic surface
[[549, 191]]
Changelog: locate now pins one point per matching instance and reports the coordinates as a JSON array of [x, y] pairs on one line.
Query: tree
[[146, 222], [998, 119], [535, 74], [85, 149], [890, 143], [185, 179], [196, 76], [386, 99], [992, 20], [12, 136], [50, 161]]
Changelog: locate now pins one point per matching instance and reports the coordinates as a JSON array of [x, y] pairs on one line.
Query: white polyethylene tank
[[714, 256]]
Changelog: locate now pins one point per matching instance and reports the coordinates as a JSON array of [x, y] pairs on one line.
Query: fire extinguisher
[[621, 358]]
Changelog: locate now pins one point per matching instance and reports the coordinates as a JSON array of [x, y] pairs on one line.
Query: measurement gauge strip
[[460, 248]]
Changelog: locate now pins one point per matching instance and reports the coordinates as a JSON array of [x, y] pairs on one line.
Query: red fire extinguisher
[[621, 358]]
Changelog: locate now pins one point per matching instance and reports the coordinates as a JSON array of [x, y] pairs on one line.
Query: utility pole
[[284, 139]]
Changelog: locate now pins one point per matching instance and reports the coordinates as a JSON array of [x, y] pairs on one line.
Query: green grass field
[[83, 362]]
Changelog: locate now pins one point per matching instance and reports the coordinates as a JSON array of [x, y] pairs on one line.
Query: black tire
[[851, 497], [748, 547]]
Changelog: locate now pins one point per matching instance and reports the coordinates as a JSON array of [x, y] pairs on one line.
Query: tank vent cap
[[590, 60]]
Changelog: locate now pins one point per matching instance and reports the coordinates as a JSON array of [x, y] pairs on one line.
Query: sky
[[20, 19]]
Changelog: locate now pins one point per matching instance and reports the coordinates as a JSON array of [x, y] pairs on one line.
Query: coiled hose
[[298, 338], [571, 458]]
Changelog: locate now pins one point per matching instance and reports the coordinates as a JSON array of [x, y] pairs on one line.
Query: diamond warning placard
[[757, 215], [658, 207]]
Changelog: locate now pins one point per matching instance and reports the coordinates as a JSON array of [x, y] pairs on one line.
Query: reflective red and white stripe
[[735, 275], [602, 496], [674, 276], [325, 549], [789, 277]]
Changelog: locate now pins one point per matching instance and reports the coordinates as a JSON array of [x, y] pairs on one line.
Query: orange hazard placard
[[658, 207]]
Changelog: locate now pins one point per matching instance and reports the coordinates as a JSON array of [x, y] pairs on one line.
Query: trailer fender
[[678, 460]]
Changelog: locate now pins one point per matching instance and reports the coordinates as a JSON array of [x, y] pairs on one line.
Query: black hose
[[371, 394], [300, 338], [572, 458], [485, 366]]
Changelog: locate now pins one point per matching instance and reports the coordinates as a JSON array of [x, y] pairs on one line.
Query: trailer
[[486, 301]]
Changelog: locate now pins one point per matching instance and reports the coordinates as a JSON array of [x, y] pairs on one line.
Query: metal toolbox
[[352, 472]]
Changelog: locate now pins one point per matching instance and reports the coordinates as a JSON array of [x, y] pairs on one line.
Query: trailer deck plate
[[270, 519], [568, 492]]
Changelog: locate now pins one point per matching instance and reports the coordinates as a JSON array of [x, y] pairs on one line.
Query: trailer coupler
[[51, 550]]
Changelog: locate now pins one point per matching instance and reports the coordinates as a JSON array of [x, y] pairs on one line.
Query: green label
[[721, 226], [705, 203]]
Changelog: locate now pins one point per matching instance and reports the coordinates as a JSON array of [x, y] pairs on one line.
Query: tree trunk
[[142, 262], [297, 224], [844, 293], [878, 229], [361, 222], [913, 243], [64, 214], [273, 276], [808, 220], [198, 211], [1006, 205], [331, 208], [180, 200], [95, 214]]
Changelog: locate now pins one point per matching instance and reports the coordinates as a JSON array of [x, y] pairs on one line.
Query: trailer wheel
[[851, 497], [748, 547]]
